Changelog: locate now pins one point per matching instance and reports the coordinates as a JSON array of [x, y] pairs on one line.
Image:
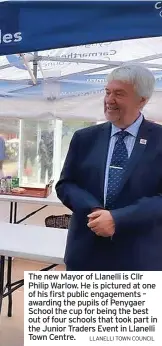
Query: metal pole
[[35, 65]]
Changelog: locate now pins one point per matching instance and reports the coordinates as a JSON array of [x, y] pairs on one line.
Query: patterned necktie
[[117, 167]]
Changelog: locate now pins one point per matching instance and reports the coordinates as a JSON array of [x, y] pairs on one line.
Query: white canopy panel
[[69, 82]]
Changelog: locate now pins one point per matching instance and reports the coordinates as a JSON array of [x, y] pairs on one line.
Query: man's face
[[121, 103]]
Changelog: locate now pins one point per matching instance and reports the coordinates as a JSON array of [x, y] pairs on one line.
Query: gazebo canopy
[[70, 47], [27, 26]]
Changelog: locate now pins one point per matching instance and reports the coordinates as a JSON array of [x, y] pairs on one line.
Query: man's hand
[[94, 214], [101, 223]]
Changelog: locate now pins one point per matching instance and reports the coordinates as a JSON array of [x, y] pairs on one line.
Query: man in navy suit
[[112, 182]]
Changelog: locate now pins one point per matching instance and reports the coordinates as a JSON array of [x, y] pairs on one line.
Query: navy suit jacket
[[137, 243]]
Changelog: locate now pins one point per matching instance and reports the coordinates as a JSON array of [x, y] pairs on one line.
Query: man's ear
[[143, 101]]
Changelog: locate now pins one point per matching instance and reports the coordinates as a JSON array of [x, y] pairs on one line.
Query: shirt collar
[[132, 129]]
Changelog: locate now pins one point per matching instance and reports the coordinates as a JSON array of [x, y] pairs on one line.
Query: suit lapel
[[101, 156], [140, 147]]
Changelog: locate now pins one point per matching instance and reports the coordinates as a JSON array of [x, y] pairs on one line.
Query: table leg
[[15, 212], [11, 211], [9, 272], [9, 268], [2, 262]]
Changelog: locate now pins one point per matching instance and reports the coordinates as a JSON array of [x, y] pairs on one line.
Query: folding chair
[[58, 221]]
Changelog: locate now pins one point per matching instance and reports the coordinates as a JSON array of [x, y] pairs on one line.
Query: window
[[68, 129], [35, 150], [37, 154], [9, 147]]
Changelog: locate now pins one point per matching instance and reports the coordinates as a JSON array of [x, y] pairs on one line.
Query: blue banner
[[27, 26]]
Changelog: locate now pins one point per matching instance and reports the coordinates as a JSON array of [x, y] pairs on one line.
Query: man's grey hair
[[136, 74]]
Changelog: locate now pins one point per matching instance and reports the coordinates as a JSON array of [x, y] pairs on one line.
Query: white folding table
[[14, 200], [51, 200], [29, 242]]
